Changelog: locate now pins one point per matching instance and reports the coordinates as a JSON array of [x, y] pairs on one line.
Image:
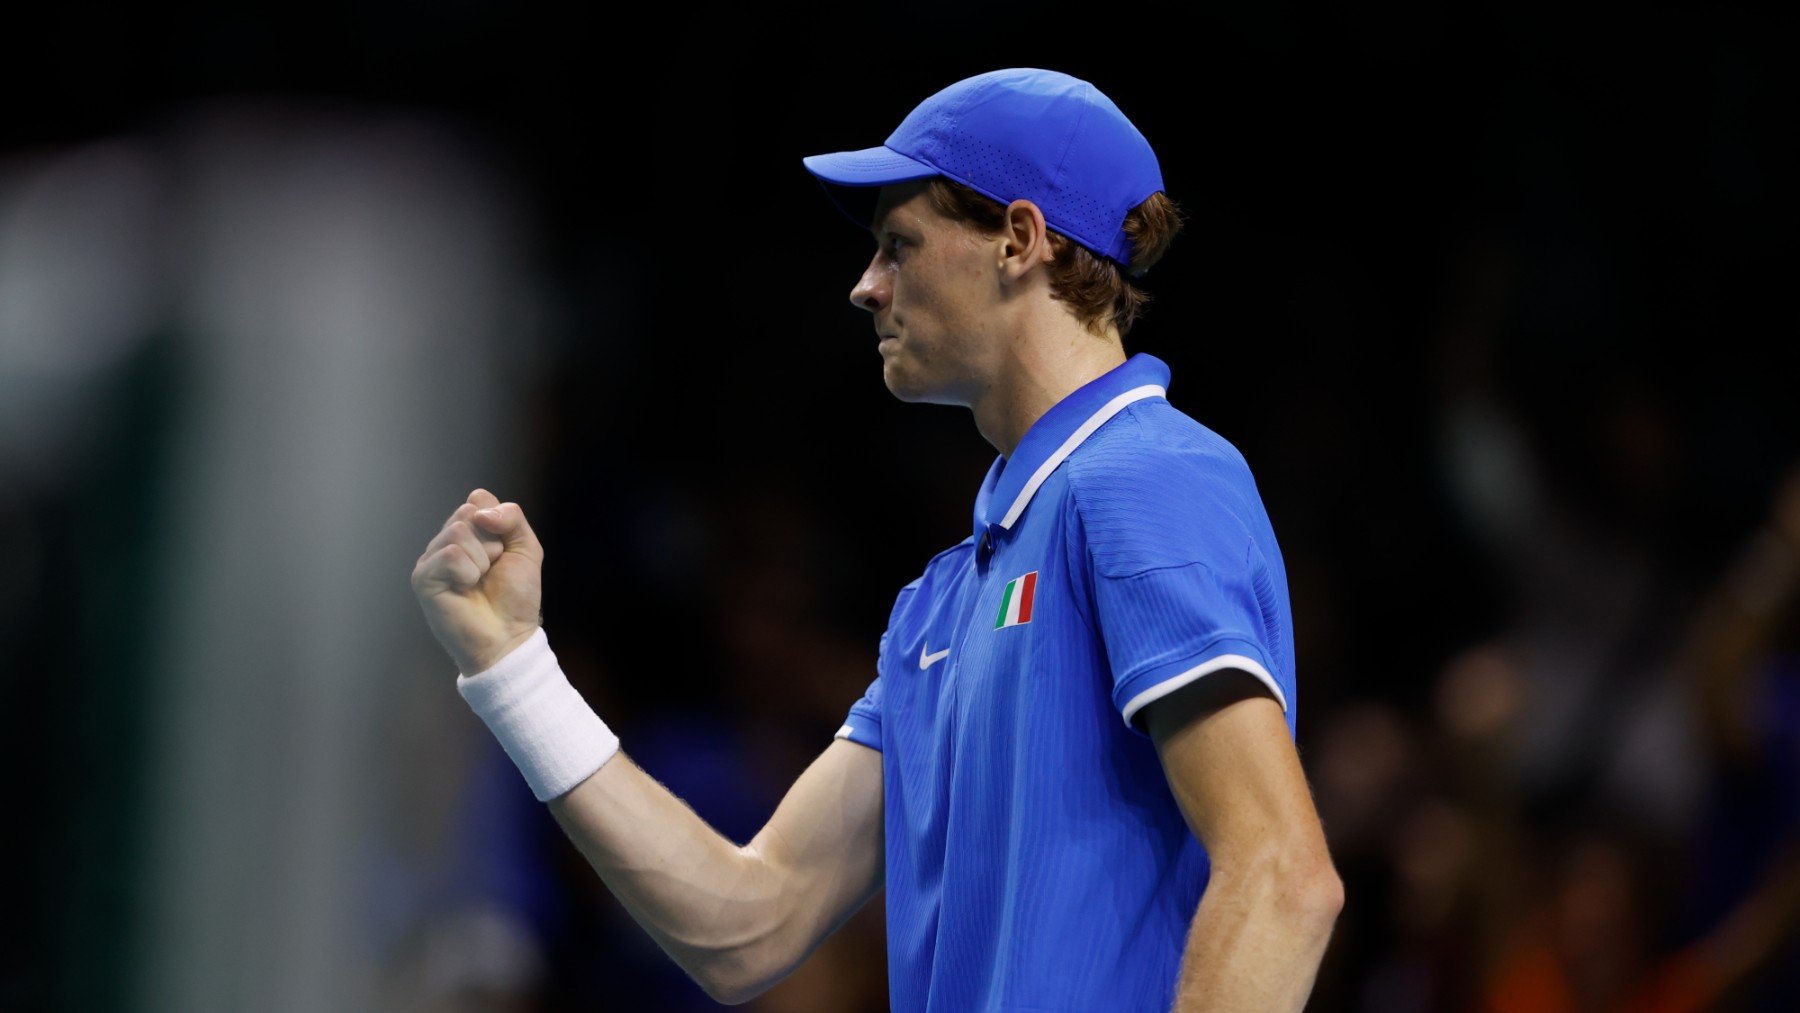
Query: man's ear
[[1027, 239]]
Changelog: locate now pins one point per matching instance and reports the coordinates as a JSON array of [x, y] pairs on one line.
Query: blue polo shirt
[[1036, 858]]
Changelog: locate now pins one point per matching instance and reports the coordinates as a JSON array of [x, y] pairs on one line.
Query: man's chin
[[922, 396], [903, 386]]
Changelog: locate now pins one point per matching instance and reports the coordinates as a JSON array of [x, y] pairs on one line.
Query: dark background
[[1574, 222]]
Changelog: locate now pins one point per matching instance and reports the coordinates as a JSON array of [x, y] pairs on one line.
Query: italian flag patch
[[1015, 601]]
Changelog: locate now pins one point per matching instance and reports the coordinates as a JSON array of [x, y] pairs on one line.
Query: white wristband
[[552, 735]]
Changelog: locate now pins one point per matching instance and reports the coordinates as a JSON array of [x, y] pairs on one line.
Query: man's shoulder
[[940, 567], [1154, 487], [1152, 446]]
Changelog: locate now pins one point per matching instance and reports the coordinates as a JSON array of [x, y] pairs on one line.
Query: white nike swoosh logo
[[927, 660]]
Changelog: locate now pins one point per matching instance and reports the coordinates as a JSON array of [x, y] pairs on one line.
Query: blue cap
[[1036, 135]]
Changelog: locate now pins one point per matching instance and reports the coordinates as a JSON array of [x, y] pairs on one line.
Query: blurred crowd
[[1594, 808]]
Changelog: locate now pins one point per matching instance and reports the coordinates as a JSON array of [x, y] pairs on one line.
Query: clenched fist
[[480, 582]]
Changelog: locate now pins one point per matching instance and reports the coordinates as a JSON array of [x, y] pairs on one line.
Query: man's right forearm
[[714, 907], [735, 918]]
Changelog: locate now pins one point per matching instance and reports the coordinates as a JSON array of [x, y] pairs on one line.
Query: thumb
[[508, 521]]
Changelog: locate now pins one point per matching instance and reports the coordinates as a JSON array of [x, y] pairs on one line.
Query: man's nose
[[870, 291]]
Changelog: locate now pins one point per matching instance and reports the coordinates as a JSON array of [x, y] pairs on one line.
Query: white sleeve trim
[[1173, 683], [844, 732]]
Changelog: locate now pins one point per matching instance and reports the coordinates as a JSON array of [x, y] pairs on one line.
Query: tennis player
[[1074, 770]]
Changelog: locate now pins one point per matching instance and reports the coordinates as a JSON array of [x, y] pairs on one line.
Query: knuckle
[[425, 570]]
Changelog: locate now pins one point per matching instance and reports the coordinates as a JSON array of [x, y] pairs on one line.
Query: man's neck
[[1041, 370]]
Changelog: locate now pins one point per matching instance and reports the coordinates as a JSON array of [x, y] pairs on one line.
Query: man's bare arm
[[1267, 914], [737, 919]]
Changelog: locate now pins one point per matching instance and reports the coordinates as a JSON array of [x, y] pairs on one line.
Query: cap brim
[[850, 177], [876, 166]]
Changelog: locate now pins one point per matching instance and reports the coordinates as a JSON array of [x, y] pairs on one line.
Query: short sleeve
[[1178, 585], [1167, 627], [863, 724]]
